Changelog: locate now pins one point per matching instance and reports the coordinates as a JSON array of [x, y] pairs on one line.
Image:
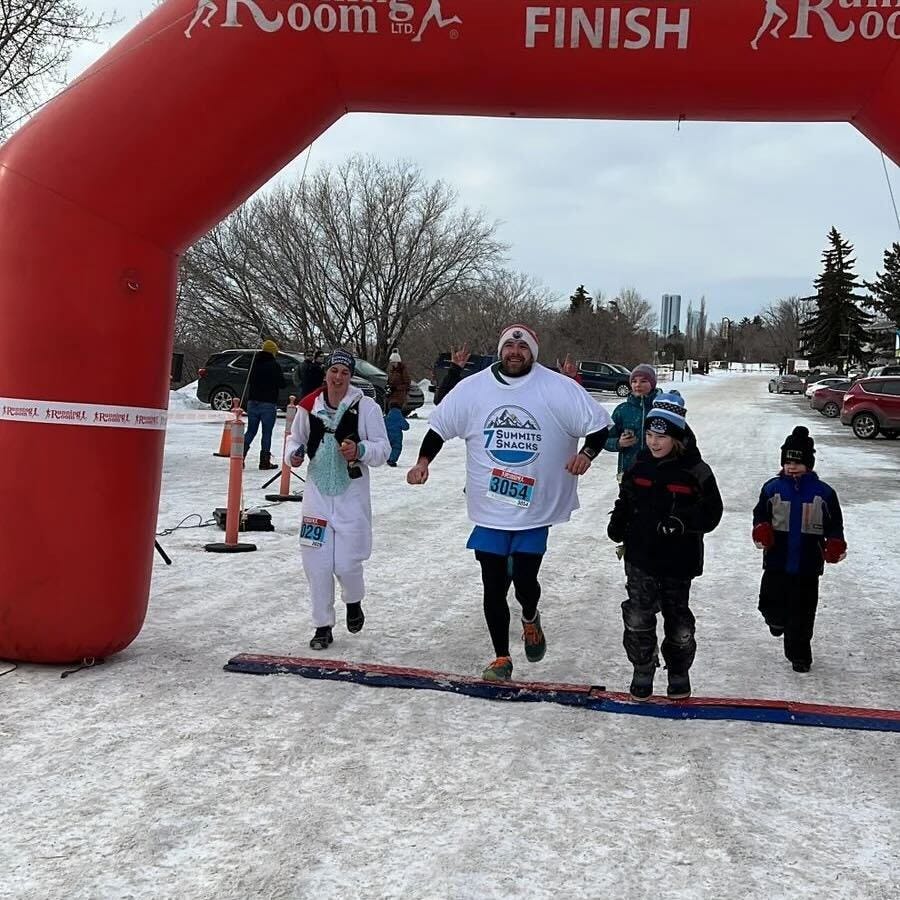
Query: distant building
[[692, 325], [670, 314]]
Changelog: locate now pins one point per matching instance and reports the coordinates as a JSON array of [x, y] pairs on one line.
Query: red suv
[[872, 405]]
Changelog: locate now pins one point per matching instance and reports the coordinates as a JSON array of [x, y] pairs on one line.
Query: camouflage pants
[[647, 596]]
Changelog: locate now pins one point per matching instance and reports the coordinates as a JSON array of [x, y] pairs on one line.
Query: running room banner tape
[[52, 412]]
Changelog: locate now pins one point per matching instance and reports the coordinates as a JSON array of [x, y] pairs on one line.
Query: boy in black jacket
[[667, 501], [798, 524]]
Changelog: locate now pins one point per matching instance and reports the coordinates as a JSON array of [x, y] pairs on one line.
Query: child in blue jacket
[[395, 423], [799, 526]]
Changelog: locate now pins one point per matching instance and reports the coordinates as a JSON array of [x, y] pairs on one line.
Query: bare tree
[[636, 310], [36, 41], [353, 256], [782, 328]]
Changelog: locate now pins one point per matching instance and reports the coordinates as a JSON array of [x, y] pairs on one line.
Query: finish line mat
[[780, 712]]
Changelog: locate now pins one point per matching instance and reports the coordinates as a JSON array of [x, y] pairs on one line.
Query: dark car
[[602, 376], [224, 377], [476, 363], [786, 384], [829, 398], [872, 405], [378, 379]]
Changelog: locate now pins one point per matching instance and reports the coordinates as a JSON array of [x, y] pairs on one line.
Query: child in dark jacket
[[395, 423], [799, 526], [667, 501]]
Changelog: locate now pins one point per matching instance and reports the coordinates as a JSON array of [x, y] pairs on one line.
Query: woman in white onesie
[[342, 432]]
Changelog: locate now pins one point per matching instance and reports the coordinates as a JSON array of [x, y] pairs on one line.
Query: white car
[[823, 382]]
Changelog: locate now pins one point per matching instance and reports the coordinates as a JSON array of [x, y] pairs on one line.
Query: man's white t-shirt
[[519, 436]]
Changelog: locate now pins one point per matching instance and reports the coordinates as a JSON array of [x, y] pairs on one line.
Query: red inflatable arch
[[207, 99]]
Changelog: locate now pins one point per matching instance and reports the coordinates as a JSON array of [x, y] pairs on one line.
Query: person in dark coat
[[310, 374], [398, 381], [799, 525], [264, 383], [667, 501]]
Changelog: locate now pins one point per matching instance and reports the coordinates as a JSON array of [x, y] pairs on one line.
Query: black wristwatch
[[588, 452]]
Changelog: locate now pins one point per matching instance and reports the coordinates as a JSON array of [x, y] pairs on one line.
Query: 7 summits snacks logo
[[838, 20], [511, 436], [342, 16]]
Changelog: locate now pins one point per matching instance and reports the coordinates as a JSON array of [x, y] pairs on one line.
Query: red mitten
[[764, 535], [835, 550]]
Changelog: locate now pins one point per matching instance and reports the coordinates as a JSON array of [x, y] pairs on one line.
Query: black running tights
[[497, 573]]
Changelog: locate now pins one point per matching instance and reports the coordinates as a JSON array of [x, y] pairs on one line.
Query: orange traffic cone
[[225, 443]]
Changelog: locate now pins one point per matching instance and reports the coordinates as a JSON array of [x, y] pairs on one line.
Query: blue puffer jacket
[[630, 414], [803, 512]]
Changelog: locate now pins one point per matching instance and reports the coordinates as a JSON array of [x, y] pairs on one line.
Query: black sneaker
[[801, 666], [776, 630], [355, 617], [322, 638], [642, 681], [679, 686], [535, 642]]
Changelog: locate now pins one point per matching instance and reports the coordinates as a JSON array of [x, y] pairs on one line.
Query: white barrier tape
[[50, 412], [199, 415]]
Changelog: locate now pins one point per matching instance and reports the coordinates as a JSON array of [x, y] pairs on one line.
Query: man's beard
[[523, 371]]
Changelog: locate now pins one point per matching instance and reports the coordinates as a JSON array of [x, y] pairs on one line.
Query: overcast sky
[[736, 212]]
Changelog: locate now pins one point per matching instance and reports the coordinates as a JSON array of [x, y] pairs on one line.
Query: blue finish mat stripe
[[583, 696]]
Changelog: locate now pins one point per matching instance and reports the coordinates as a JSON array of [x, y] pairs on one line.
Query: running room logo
[[838, 20], [399, 17], [511, 436]]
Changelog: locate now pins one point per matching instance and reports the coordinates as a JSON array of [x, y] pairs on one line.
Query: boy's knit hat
[[270, 347], [395, 356], [667, 414], [645, 371], [799, 447]]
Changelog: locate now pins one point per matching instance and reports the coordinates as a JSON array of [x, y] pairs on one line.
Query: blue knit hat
[[340, 358], [667, 414]]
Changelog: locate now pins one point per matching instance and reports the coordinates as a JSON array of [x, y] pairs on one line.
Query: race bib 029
[[313, 532], [511, 487]]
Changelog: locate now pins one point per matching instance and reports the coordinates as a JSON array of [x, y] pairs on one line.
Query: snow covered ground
[[159, 775]]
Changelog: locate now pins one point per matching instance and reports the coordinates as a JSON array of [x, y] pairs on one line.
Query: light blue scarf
[[328, 469]]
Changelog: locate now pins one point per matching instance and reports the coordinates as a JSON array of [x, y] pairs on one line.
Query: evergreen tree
[[580, 300], [837, 331], [886, 286]]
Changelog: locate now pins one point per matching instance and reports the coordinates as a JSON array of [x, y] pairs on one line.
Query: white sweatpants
[[337, 558]]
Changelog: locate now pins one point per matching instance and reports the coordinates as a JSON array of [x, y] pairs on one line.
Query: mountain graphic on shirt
[[506, 418]]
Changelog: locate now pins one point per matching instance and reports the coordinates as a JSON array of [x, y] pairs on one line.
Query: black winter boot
[[355, 617], [322, 638], [642, 681], [265, 461], [679, 686]]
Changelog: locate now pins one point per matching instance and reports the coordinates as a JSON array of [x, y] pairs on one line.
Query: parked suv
[[601, 376], [225, 375], [872, 405], [883, 370]]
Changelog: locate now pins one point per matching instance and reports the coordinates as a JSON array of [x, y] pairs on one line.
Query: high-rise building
[[669, 314], [692, 324]]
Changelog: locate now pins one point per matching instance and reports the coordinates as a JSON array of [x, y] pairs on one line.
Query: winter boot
[[265, 460], [322, 638], [535, 642], [499, 670], [801, 665], [355, 617], [776, 630], [679, 686], [642, 681]]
